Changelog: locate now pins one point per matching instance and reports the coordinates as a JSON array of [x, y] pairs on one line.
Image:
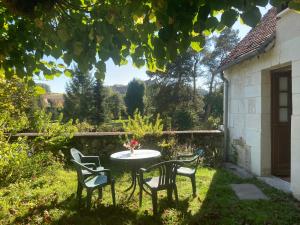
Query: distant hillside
[[53, 100], [119, 88]]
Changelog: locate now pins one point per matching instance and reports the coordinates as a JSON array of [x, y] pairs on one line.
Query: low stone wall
[[105, 143]]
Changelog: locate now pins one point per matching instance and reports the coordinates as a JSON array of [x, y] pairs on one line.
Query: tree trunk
[[194, 78], [209, 103]]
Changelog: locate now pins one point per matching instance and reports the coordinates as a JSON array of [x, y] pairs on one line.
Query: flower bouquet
[[132, 145]]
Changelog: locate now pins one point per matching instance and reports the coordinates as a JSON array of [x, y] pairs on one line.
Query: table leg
[[133, 183]]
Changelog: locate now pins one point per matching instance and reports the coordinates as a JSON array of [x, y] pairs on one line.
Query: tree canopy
[[134, 98], [79, 97], [48, 36]]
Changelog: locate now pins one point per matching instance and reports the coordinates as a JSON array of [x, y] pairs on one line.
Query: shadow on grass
[[104, 214], [221, 205], [215, 204]]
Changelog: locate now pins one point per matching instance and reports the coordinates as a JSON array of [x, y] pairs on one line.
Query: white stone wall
[[295, 145], [250, 101]]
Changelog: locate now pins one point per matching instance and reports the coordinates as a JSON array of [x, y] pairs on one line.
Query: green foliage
[[214, 52], [13, 157], [98, 102], [46, 87], [84, 99], [172, 95], [55, 135], [213, 122], [184, 119], [84, 126], [167, 146], [215, 99], [78, 100], [17, 157], [88, 33], [139, 126], [134, 98], [114, 104], [16, 96], [12, 124], [110, 127]]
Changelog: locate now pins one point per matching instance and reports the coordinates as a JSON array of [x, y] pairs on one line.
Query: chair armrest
[[182, 156], [94, 171], [91, 159], [93, 165], [153, 167], [141, 175], [142, 171]]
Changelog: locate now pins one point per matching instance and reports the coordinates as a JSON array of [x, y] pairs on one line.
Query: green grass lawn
[[50, 199]]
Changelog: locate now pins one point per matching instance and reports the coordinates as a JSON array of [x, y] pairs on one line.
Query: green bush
[[12, 158], [84, 126], [139, 126], [167, 146], [54, 135], [184, 119], [21, 158], [18, 161]]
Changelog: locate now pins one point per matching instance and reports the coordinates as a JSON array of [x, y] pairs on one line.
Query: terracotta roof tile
[[255, 38]]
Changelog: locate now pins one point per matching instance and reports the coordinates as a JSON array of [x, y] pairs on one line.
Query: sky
[[124, 74]]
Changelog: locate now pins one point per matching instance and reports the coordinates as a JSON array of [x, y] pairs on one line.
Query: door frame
[[286, 71]]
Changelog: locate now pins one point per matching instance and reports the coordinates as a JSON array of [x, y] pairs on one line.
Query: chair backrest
[[199, 153], [195, 160], [76, 154], [79, 168], [167, 173]]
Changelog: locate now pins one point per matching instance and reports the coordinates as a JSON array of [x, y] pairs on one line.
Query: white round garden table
[[135, 161]]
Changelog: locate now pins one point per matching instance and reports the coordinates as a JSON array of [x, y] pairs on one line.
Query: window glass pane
[[283, 83], [283, 115], [283, 99]]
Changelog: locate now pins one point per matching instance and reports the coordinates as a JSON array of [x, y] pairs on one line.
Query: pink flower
[[132, 144]]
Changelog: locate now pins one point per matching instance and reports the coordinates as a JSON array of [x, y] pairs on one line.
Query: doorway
[[281, 111]]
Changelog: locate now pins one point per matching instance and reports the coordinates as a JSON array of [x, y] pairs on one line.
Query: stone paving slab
[[248, 192], [239, 171], [277, 183]]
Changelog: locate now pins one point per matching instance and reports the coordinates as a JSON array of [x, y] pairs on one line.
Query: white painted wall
[[295, 144], [250, 101]]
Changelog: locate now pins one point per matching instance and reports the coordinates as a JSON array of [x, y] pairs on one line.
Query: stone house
[[262, 98]]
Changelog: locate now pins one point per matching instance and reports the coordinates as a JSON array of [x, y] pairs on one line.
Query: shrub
[[167, 146], [139, 126], [145, 130], [84, 126], [17, 158], [17, 162], [12, 158], [184, 119], [54, 135]]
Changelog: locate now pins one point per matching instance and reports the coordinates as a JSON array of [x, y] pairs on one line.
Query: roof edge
[[249, 55]]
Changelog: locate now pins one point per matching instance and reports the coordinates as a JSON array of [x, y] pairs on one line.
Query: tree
[[89, 32], [78, 100], [172, 94], [46, 87], [16, 96], [98, 102], [214, 52], [134, 98], [115, 105], [216, 101]]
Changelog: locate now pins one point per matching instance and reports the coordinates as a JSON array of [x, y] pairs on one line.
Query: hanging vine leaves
[[151, 32]]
